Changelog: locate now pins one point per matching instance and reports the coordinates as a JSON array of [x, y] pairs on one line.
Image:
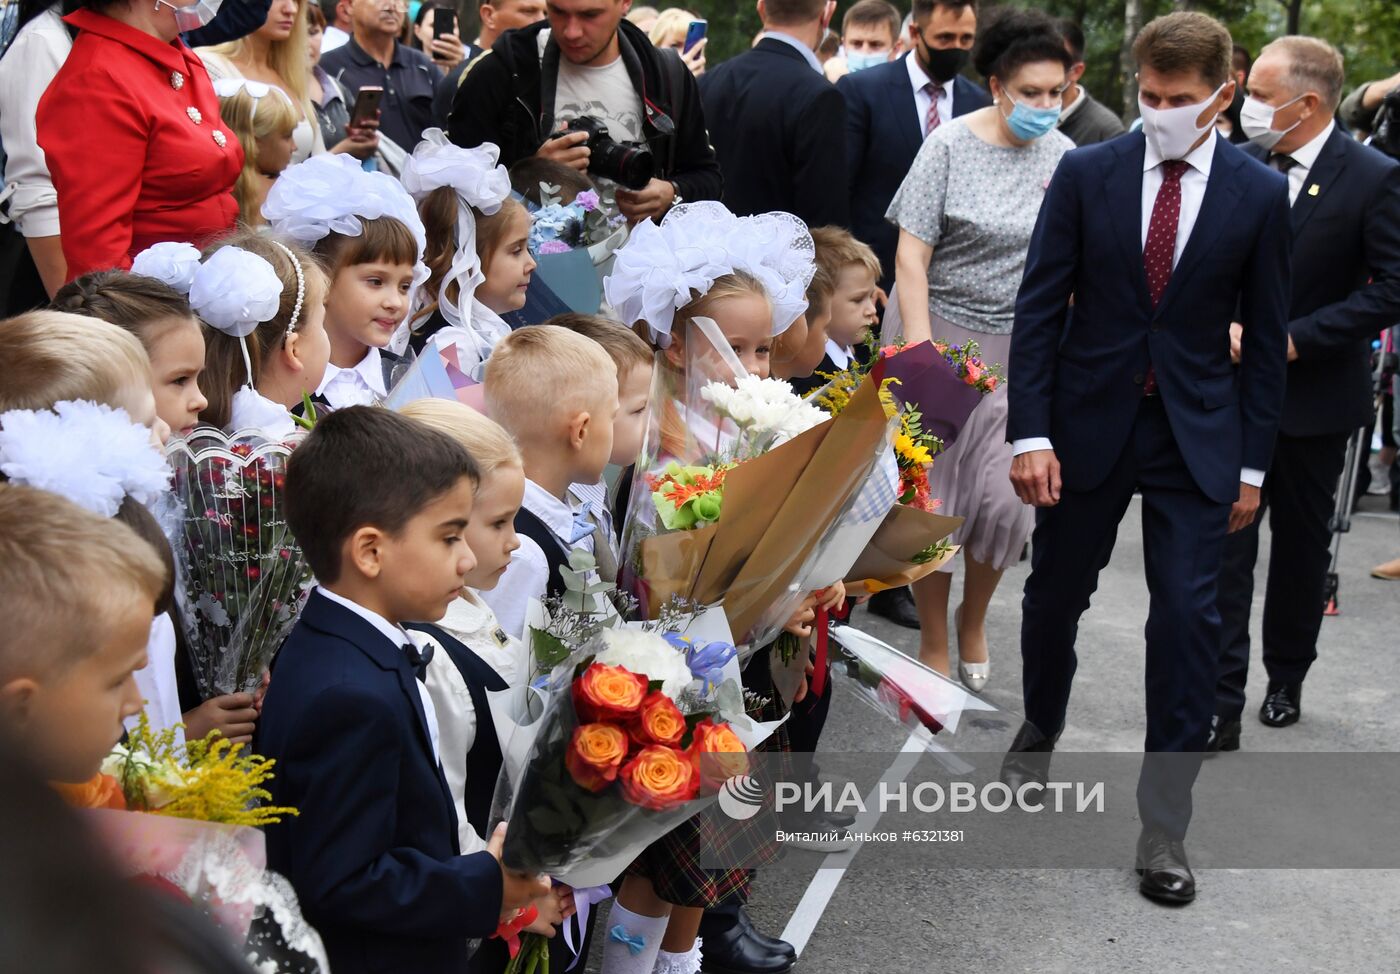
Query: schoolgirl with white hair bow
[[262, 301], [478, 247], [366, 230]]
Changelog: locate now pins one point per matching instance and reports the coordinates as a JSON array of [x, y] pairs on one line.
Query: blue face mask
[[1028, 123], [859, 62]]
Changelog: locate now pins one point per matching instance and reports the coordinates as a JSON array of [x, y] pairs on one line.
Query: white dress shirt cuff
[[1029, 444], [1255, 478]]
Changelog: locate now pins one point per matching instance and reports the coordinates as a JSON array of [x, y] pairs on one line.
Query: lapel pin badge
[[1314, 189]]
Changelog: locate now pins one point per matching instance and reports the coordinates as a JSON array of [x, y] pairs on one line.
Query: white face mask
[[193, 16], [1257, 120], [1173, 131]]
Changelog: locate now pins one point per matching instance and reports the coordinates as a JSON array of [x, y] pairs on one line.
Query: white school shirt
[[253, 411], [922, 99], [399, 637], [156, 681], [472, 623], [362, 385], [840, 355], [1193, 191], [528, 575]]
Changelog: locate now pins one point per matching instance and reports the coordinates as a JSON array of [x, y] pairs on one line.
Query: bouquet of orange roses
[[640, 731]]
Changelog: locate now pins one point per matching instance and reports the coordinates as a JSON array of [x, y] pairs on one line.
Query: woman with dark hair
[[965, 213], [132, 136]]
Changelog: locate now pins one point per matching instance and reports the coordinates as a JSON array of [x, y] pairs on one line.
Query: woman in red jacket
[[131, 131]]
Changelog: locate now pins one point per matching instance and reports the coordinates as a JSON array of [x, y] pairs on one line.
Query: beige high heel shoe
[[974, 676]]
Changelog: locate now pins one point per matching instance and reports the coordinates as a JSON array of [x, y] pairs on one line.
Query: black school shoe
[[896, 605]]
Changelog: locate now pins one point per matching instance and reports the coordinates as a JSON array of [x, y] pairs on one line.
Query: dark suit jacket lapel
[[1123, 192], [1222, 193], [906, 110], [1325, 174], [335, 620]]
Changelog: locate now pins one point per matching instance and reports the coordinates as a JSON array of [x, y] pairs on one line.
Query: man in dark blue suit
[[378, 504], [1121, 381], [1345, 222], [776, 123], [890, 108]]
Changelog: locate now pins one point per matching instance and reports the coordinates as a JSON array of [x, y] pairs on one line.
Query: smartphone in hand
[[694, 34], [367, 104], [444, 22]]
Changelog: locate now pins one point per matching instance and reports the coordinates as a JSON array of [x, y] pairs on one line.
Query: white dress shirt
[[33, 58], [254, 411], [840, 356], [474, 625], [1193, 191], [156, 681], [922, 99], [528, 575], [399, 637], [362, 385], [1304, 158], [332, 38]]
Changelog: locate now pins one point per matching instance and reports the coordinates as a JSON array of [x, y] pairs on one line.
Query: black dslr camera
[[629, 164]]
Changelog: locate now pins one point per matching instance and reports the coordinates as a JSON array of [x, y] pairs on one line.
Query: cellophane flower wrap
[[640, 729], [742, 489], [241, 577], [188, 816]]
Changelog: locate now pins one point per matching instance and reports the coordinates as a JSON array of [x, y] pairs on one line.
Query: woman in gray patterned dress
[[966, 212]]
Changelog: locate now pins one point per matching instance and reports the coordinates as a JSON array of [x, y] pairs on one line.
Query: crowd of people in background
[[1199, 305]]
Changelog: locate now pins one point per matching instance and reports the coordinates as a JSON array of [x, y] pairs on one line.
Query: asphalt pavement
[[1092, 920]]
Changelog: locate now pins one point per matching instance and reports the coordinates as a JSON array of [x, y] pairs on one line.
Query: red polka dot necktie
[[1160, 251]]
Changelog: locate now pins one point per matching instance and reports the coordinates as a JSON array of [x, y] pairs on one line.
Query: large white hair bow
[[235, 290], [90, 453], [170, 263], [331, 193], [661, 268], [479, 181]]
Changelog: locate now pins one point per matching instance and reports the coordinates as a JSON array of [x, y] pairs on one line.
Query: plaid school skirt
[[673, 862]]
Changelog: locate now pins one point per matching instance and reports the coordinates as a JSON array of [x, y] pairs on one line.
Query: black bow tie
[[419, 660]]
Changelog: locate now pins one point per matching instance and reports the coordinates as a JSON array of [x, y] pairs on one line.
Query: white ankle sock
[[619, 956], [686, 963]]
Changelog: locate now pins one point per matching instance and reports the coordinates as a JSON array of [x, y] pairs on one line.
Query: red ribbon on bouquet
[[509, 930], [819, 677]]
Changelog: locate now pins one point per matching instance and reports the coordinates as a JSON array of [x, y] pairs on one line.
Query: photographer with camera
[[587, 89], [1374, 109]]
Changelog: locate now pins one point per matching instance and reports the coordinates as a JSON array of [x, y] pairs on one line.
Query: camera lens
[[631, 166]]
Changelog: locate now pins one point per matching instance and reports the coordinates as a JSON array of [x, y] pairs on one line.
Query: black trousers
[[1298, 498], [1183, 534]]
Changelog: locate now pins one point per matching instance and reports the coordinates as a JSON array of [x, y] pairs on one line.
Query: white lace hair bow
[[479, 181], [257, 90], [330, 193], [170, 263], [660, 268], [90, 453]]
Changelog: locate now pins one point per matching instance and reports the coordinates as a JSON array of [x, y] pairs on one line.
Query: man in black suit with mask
[[1345, 220]]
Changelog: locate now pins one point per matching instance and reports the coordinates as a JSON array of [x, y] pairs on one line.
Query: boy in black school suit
[[854, 271], [378, 503]]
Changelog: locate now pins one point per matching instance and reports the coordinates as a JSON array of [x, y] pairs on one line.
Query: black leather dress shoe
[[1283, 704], [896, 605], [736, 952], [1165, 875], [1028, 758], [772, 943], [1224, 735]]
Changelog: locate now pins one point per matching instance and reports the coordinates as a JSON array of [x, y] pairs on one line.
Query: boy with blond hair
[[556, 393], [77, 593], [634, 360]]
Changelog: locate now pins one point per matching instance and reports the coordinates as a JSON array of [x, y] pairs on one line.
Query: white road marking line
[[819, 892]]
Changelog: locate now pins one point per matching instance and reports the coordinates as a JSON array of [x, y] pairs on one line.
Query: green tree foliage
[[1366, 31]]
